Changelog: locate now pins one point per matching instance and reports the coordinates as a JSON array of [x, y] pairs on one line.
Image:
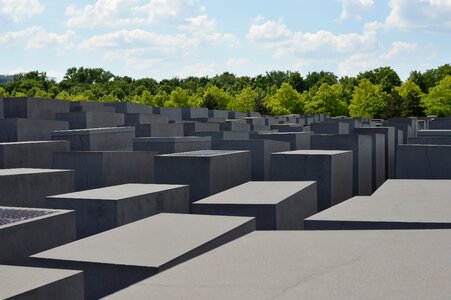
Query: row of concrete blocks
[[136, 253]]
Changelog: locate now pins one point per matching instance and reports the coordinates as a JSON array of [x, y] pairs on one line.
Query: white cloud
[[20, 9], [198, 70], [398, 49], [135, 59], [275, 35], [354, 8], [426, 15], [37, 37], [121, 12], [199, 24], [235, 63]]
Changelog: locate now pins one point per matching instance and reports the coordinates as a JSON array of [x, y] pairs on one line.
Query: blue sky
[[168, 38]]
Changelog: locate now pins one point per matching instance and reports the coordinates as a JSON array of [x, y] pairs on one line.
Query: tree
[[438, 101], [411, 95], [244, 101], [181, 98], [297, 82], [286, 100], [216, 98], [368, 100], [394, 105], [318, 78], [327, 99], [385, 76]]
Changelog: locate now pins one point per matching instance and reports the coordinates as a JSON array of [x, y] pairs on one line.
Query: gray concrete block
[[91, 119], [2, 114], [236, 115], [361, 145], [331, 128], [290, 127], [102, 209], [401, 204], [390, 146], [206, 172], [440, 123], [352, 122], [260, 128], [130, 108], [407, 126], [217, 136], [191, 128], [434, 133], [255, 120], [216, 113], [311, 265], [105, 168], [159, 130], [189, 113], [34, 108], [234, 125], [133, 252], [297, 140], [40, 284], [332, 171], [141, 118], [430, 140], [89, 106], [165, 145], [26, 231], [18, 130], [260, 153], [173, 113], [98, 139], [37, 154], [28, 187], [423, 162], [276, 205]]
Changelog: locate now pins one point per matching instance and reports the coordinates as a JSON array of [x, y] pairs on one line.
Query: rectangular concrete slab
[[129, 107], [135, 251], [207, 172], [18, 130], [312, 265], [276, 205], [98, 139], [332, 171], [330, 128], [26, 231], [164, 145], [131, 119], [102, 209], [159, 130], [40, 284], [217, 136], [423, 162], [260, 149], [27, 187], [297, 140], [34, 108], [361, 146], [34, 154], [91, 119]]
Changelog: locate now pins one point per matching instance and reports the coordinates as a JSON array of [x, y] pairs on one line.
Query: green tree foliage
[[216, 98], [431, 77], [368, 100], [386, 77], [327, 99], [285, 101], [438, 101], [181, 98], [245, 101], [411, 99], [318, 78]]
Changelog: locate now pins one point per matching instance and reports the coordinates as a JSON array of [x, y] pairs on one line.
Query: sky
[[163, 39]]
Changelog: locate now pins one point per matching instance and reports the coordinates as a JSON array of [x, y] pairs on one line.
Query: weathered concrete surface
[[164, 145], [34, 108], [135, 251], [297, 140], [18, 130], [35, 154], [26, 187], [26, 231], [312, 265], [276, 205], [40, 284], [91, 119], [102, 209]]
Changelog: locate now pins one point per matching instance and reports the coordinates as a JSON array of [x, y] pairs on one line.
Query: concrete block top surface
[[150, 242], [172, 139], [15, 280], [31, 142], [414, 189], [258, 192], [311, 265], [118, 192], [314, 152], [90, 131], [203, 153], [27, 171], [11, 216], [435, 132]]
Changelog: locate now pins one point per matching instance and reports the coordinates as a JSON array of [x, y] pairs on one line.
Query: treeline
[[379, 93]]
